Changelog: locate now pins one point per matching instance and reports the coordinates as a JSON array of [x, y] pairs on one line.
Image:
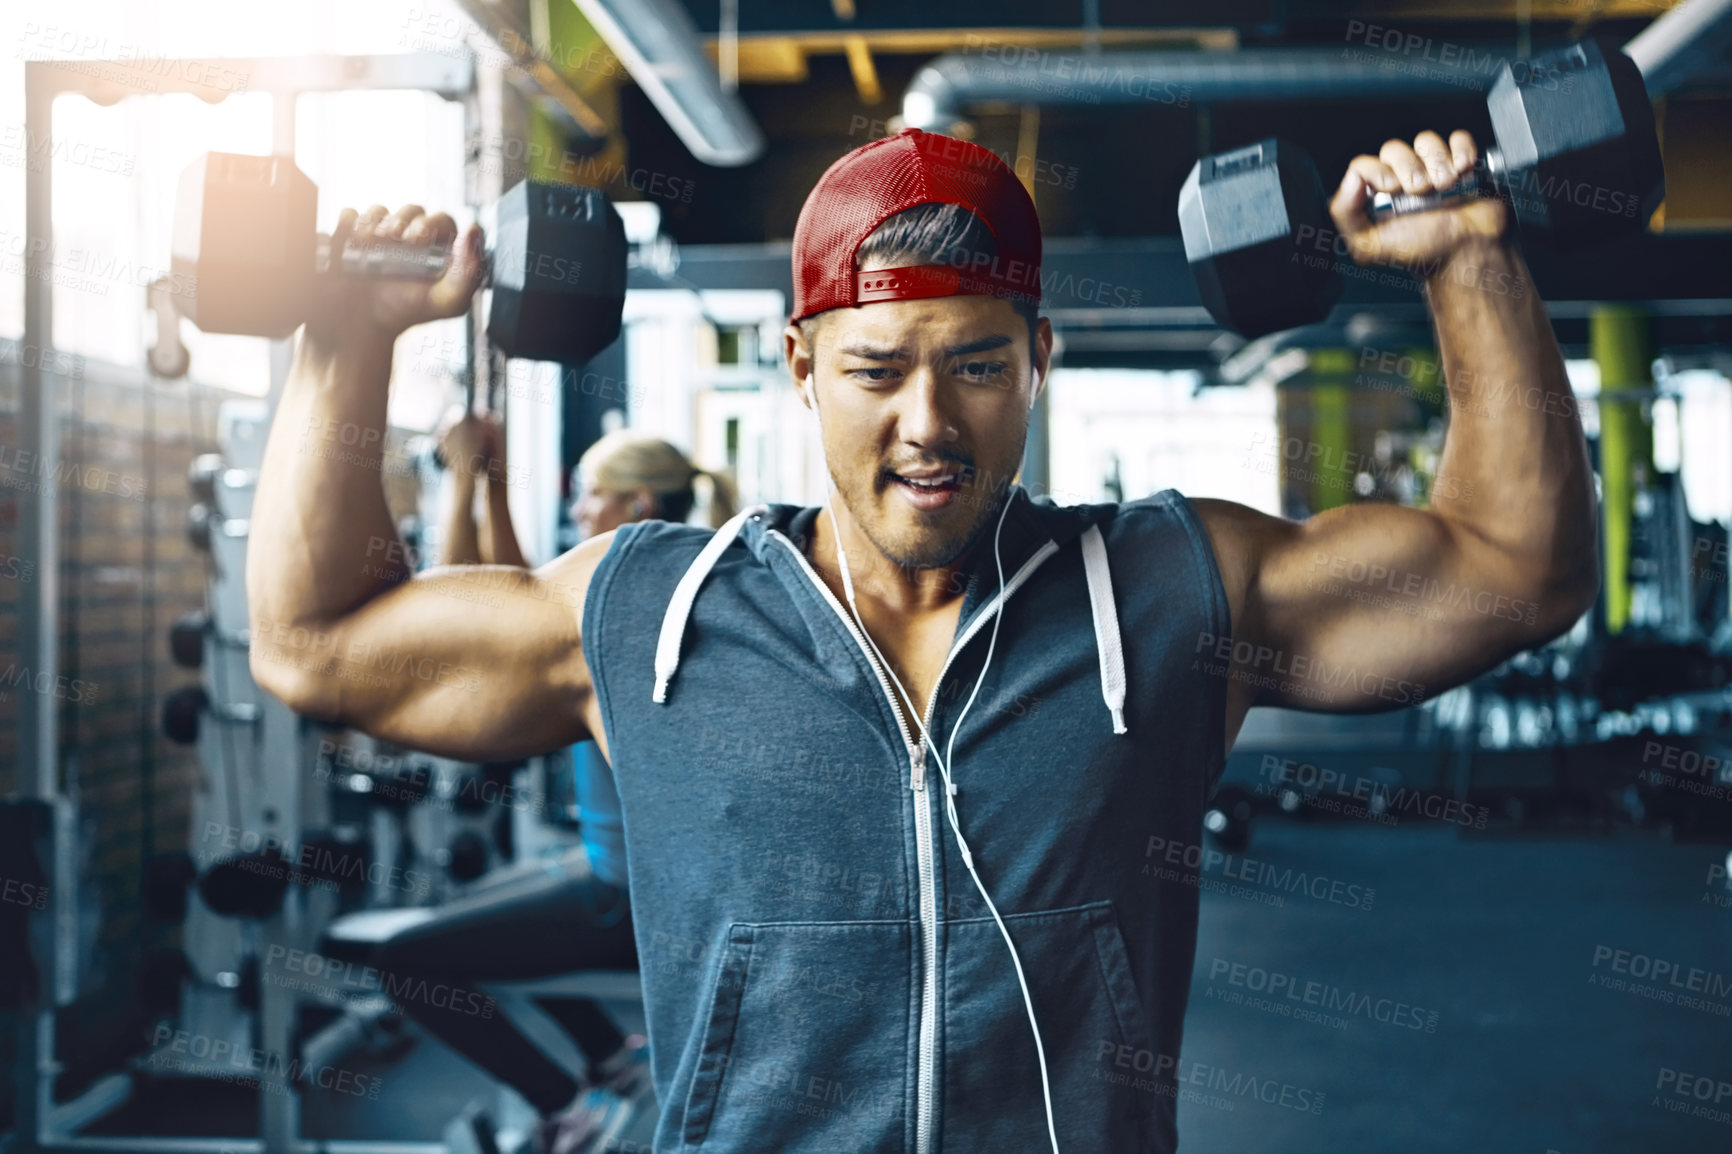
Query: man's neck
[[894, 587]]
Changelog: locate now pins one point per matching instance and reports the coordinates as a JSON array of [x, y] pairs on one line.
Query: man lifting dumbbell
[[1576, 164], [792, 941]]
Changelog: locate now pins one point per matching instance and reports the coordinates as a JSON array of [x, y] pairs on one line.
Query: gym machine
[[273, 778]]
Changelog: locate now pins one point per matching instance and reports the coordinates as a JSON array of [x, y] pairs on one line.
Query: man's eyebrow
[[873, 353], [983, 345]]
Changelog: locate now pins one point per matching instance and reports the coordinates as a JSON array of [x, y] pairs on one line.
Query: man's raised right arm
[[477, 663]]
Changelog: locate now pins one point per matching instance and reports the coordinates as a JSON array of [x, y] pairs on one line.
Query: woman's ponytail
[[724, 497]]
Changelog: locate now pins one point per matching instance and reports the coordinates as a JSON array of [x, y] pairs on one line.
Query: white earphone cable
[[944, 762], [950, 787]]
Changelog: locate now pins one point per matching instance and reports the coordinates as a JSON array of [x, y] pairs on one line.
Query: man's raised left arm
[[1376, 606]]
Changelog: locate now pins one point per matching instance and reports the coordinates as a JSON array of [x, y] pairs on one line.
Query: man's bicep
[[1371, 607], [474, 662]]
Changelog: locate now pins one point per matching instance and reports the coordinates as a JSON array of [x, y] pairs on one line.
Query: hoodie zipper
[[924, 1094]]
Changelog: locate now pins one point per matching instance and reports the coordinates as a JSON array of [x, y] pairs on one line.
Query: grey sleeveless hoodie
[[820, 973]]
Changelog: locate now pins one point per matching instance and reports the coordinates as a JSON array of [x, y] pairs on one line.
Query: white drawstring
[[1106, 617], [686, 592]]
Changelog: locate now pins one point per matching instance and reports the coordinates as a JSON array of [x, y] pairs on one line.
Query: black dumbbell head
[[202, 474], [1258, 238], [1228, 818], [186, 638], [180, 713], [244, 230], [159, 978], [466, 857], [1576, 136], [246, 885], [164, 887], [559, 262], [198, 526]]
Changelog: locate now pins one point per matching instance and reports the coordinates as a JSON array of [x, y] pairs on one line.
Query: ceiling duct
[[1690, 39], [942, 91], [659, 45]]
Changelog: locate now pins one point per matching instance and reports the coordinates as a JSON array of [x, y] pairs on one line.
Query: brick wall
[[127, 571]]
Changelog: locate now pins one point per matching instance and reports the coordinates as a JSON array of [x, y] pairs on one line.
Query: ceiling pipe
[[1691, 38], [659, 45], [942, 91], [1687, 41]]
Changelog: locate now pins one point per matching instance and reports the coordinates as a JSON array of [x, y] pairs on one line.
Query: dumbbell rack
[[258, 785], [231, 749], [269, 773], [259, 782]]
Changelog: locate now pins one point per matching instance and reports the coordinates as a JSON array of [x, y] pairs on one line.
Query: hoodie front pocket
[[806, 1048], [1108, 1084]]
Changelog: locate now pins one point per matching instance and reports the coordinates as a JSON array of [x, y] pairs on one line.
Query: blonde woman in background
[[627, 476], [572, 913]]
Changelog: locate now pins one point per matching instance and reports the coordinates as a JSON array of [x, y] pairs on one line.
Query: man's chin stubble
[[930, 553]]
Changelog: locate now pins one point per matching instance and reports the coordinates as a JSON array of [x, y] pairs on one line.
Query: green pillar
[[1426, 386], [1621, 343], [1428, 391], [1331, 394], [579, 53]]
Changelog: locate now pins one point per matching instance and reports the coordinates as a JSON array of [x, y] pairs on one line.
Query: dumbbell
[[248, 885], [1247, 217], [164, 885], [466, 858], [1228, 818], [245, 239], [1577, 157], [186, 638], [198, 526], [160, 975], [182, 709], [201, 476]]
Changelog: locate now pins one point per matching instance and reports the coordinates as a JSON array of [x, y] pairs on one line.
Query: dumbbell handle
[[1484, 179], [389, 259]]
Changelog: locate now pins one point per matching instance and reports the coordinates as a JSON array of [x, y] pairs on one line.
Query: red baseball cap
[[878, 180]]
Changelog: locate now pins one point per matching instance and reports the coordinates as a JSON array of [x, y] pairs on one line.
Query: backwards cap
[[878, 180]]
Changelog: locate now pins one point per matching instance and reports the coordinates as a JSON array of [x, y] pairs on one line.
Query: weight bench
[[360, 938]]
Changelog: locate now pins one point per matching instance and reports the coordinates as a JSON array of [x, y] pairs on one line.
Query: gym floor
[[1495, 933]]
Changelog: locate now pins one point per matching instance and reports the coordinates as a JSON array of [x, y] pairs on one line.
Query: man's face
[[924, 410]]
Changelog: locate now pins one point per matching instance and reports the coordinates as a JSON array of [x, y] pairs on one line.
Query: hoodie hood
[[1031, 528]]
